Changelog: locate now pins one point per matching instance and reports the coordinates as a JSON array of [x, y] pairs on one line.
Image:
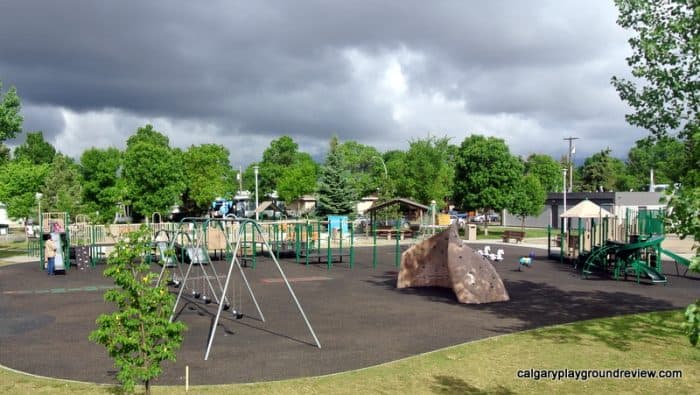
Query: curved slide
[[653, 241], [641, 267]]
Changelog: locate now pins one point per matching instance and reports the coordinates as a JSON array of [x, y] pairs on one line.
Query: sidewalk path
[[671, 243]]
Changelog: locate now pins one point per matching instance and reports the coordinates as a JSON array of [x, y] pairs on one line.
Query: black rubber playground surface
[[359, 316]]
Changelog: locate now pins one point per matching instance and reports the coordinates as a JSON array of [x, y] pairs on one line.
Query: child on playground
[[50, 253]]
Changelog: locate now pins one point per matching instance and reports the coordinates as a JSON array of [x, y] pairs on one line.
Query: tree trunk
[[522, 224], [147, 383]]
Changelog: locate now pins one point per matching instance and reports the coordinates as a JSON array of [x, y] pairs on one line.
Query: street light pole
[[38, 197], [386, 173], [255, 169], [571, 164]]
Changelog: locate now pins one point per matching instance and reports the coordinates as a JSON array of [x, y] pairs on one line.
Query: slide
[[642, 268], [652, 242], [677, 258], [166, 260], [59, 264]]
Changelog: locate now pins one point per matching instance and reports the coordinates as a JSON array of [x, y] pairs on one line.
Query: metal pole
[[374, 244], [386, 174], [564, 210], [571, 165], [352, 246], [564, 240], [289, 287], [255, 169], [397, 254]]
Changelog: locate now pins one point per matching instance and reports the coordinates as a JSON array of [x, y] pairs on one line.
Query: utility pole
[[571, 163]]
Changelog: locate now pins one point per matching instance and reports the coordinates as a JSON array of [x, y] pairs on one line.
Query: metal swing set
[[207, 281]]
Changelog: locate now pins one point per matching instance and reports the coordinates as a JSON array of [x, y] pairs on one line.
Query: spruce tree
[[335, 195]]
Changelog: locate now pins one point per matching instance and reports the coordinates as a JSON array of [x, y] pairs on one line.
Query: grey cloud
[[268, 68]]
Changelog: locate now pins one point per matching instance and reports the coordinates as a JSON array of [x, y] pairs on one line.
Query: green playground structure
[[620, 247], [639, 259], [329, 242]]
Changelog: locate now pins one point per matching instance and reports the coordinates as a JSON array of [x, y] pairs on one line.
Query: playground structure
[[328, 242], [54, 225], [605, 244]]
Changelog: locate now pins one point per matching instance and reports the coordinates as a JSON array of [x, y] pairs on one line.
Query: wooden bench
[[393, 232], [513, 234]]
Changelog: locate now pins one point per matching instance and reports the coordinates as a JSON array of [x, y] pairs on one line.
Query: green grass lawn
[[8, 249], [645, 341]]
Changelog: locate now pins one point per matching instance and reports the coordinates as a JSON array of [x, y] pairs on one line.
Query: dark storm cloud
[[268, 68], [48, 120]]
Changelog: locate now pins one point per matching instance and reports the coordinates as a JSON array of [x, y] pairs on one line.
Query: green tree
[[663, 155], [365, 167], [4, 154], [152, 172], [10, 118], [35, 149], [665, 62], [19, 183], [428, 170], [683, 219], [335, 197], [547, 170], [691, 160], [486, 174], [603, 171], [139, 334], [298, 179], [283, 169], [528, 198], [62, 186], [665, 98], [395, 161], [280, 155], [102, 189], [209, 175]]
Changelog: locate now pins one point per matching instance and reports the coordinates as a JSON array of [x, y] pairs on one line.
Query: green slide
[[641, 267], [677, 258], [652, 242]]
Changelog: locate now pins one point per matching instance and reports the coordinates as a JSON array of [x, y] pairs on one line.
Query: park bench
[[513, 234], [389, 232], [320, 256]]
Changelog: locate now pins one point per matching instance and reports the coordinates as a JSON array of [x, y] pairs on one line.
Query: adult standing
[[50, 254]]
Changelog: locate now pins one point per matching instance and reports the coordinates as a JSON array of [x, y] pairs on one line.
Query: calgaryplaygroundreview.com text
[[585, 374]]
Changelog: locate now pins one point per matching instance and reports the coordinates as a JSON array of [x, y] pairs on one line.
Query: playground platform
[[361, 319]]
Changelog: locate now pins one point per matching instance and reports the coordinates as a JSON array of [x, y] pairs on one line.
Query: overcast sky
[[241, 73]]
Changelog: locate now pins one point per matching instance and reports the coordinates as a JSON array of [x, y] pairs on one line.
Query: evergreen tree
[[335, 196]]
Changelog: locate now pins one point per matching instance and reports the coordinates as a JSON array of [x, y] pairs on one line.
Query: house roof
[[264, 206], [399, 201]]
